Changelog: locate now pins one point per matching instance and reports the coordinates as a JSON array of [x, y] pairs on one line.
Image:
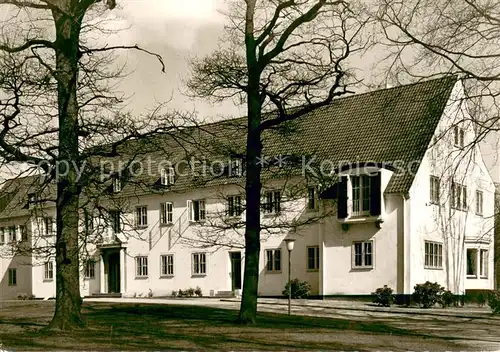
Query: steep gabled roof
[[384, 126]]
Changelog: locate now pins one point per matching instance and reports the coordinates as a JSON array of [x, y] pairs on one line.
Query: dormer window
[[235, 168], [167, 176], [458, 136], [117, 185], [359, 196]]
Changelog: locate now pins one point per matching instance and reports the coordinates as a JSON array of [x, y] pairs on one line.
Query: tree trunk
[[67, 314], [248, 308]]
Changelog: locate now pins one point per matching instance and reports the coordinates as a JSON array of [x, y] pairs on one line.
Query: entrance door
[[114, 272], [235, 270]]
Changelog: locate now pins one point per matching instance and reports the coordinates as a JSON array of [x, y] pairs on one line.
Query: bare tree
[[59, 108], [288, 57]]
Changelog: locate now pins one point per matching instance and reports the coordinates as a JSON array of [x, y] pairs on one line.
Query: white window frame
[[167, 265], [360, 194], [141, 266], [12, 280], [167, 176], [367, 249], [234, 206], [48, 230], [48, 271], [433, 255], [202, 214], [479, 203], [141, 216], [116, 184], [12, 234], [272, 202], [483, 263], [89, 269], [166, 213], [235, 168], [199, 264], [434, 189], [314, 259], [458, 196], [273, 262], [458, 136]]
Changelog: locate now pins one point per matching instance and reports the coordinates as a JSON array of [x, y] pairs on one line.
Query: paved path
[[474, 326]]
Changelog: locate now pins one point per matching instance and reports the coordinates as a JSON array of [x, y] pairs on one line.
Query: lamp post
[[289, 245]]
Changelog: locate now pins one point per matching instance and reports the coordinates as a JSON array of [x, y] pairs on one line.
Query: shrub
[[481, 299], [22, 296], [427, 294], [447, 299], [494, 301], [383, 296], [198, 292], [174, 293], [181, 293], [190, 292], [150, 293], [300, 289]]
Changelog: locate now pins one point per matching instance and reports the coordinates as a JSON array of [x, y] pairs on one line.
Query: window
[[117, 184], [360, 195], [141, 265], [483, 263], [312, 203], [115, 217], [272, 203], [234, 206], [48, 225], [479, 203], [235, 168], [89, 269], [273, 260], [313, 258], [141, 216], [12, 276], [196, 210], [167, 176], [471, 262], [458, 196], [167, 265], [199, 265], [433, 255], [12, 234], [458, 134], [363, 254], [2, 235], [48, 271], [166, 213], [434, 190], [88, 221], [24, 232]]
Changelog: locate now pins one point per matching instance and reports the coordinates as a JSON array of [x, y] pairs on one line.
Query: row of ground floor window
[[477, 262]]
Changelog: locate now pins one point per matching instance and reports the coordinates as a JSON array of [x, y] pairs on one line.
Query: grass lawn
[[126, 326]]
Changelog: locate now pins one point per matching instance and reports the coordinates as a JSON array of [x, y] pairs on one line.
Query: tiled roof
[[384, 126]]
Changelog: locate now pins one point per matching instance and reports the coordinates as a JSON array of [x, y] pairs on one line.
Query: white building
[[410, 201]]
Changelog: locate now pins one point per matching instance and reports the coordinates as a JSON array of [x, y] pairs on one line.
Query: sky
[[177, 30]]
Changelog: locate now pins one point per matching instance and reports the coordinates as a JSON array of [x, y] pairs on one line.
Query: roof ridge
[[424, 81]]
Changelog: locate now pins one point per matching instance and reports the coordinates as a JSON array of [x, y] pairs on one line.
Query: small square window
[[141, 216], [167, 176], [141, 266], [12, 277], [166, 213], [48, 272], [273, 260], [313, 258], [196, 210], [433, 255], [199, 264], [167, 265], [272, 202], [363, 254], [234, 207]]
